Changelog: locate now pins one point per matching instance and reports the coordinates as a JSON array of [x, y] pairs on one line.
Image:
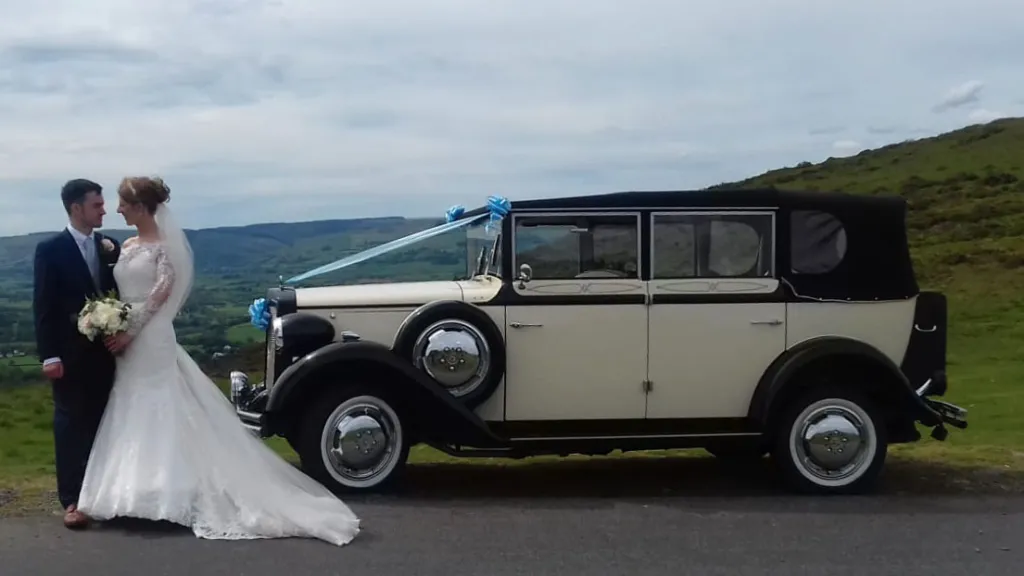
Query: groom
[[70, 267]]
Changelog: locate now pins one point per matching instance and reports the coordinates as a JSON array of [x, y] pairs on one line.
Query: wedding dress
[[170, 446]]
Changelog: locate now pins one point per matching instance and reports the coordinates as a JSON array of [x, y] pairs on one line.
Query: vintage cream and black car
[[746, 322]]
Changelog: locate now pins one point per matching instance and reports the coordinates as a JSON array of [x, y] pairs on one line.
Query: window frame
[[772, 235], [638, 228]]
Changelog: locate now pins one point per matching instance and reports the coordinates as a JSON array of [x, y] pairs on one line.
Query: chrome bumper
[[949, 413], [245, 397]]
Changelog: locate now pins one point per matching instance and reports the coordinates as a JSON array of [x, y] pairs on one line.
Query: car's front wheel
[[353, 439], [831, 441]]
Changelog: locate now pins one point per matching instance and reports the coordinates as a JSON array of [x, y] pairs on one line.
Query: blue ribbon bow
[[499, 207], [259, 316], [454, 213]]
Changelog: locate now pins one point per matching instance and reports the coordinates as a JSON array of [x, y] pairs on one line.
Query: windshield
[[483, 251]]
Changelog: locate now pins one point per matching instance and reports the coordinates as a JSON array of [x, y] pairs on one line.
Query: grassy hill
[[965, 189]]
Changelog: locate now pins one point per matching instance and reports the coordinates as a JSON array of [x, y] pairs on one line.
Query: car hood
[[477, 290]]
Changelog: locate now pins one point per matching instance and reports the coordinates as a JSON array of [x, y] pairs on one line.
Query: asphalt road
[[580, 525]]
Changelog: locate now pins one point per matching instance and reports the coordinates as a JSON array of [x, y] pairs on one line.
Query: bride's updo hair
[[149, 191]]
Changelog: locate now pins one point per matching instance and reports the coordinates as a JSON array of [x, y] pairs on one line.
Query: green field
[[244, 334], [966, 191]]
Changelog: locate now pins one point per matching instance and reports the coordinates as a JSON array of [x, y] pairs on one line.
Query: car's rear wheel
[[831, 441], [354, 439]]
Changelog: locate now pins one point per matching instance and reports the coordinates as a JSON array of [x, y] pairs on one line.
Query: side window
[[675, 253], [817, 242], [571, 247], [712, 245]]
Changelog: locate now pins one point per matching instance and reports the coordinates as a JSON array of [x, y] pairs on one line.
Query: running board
[[594, 445]]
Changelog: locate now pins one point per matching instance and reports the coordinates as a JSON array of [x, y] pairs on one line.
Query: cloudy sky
[[258, 111]]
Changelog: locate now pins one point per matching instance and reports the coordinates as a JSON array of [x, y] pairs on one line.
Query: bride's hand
[[118, 342]]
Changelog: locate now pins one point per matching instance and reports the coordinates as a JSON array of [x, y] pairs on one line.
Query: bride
[[170, 446]]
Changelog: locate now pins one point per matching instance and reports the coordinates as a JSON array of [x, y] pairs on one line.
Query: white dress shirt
[[80, 240]]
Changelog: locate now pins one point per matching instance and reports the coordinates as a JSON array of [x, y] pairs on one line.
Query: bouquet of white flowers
[[104, 316]]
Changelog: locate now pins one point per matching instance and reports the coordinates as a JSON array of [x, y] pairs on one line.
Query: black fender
[[303, 333], [778, 380], [427, 314], [437, 415]]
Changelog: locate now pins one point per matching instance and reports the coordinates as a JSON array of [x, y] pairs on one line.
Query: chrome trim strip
[[268, 368]]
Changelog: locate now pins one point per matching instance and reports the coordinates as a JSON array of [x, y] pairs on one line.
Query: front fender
[[438, 415], [779, 379]]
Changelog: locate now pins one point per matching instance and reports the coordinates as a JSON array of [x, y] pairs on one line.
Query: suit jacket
[[62, 286]]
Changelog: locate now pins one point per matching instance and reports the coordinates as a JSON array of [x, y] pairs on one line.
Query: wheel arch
[[432, 411], [421, 318], [838, 360]]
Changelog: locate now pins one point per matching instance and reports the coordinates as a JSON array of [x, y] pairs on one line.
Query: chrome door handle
[[522, 325], [772, 322]]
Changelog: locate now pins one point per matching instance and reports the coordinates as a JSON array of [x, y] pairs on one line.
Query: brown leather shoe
[[75, 520]]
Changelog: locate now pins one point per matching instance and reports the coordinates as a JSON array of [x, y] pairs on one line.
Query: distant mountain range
[[248, 248]]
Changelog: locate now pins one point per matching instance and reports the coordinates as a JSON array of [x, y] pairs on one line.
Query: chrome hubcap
[[455, 354], [832, 442], [361, 439]]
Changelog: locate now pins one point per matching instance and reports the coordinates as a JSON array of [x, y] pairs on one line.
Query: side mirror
[[525, 274]]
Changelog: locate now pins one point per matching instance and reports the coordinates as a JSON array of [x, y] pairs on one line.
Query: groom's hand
[[53, 371]]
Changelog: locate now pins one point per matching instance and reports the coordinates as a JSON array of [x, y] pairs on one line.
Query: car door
[[576, 325], [716, 320]]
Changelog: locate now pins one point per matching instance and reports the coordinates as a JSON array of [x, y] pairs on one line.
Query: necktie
[[90, 258]]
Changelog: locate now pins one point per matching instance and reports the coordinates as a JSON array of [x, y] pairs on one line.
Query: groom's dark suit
[[63, 282]]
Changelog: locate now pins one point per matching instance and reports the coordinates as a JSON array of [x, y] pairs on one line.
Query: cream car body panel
[[885, 326], [706, 359]]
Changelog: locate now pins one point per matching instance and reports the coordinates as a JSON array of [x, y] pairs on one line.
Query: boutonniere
[[108, 246]]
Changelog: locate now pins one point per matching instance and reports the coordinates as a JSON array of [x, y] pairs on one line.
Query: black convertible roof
[[723, 197], [876, 264]]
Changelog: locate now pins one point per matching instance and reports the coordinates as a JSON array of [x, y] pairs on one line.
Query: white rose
[[111, 317], [105, 317]]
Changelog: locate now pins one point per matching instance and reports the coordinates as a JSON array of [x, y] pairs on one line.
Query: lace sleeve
[[157, 295]]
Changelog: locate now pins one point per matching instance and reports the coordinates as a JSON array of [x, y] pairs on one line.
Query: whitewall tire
[[831, 441], [354, 440]]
